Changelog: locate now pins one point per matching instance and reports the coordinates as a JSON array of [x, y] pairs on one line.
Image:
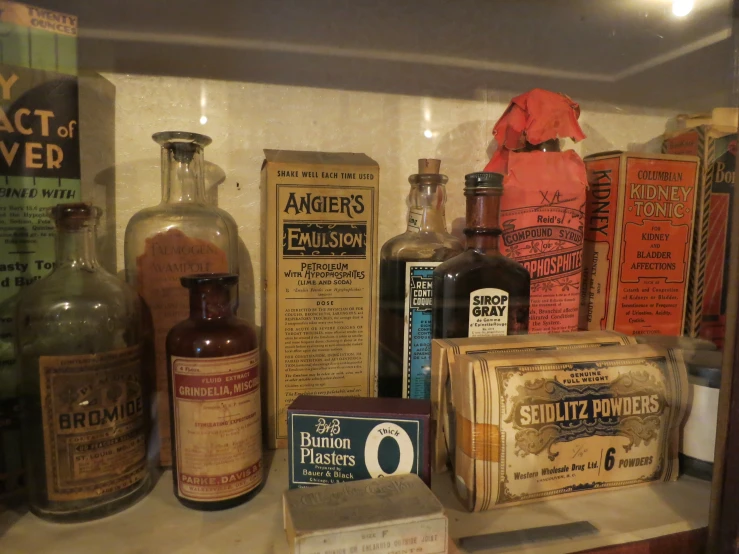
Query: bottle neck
[[75, 248], [427, 213], [183, 178], [482, 225], [213, 302]]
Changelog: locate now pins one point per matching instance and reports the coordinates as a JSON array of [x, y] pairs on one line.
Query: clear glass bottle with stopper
[[83, 355], [180, 236], [407, 262]]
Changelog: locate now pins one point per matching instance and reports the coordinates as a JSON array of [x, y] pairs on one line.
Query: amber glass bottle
[[481, 292], [215, 414]]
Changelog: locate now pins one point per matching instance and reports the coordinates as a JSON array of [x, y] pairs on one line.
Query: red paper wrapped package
[[543, 205]]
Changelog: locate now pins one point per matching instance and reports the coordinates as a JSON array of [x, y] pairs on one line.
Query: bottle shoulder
[[179, 214], [178, 223], [211, 338], [471, 260], [69, 285], [421, 246]]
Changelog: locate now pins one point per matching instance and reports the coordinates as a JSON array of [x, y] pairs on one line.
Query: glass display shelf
[[158, 523], [398, 82]]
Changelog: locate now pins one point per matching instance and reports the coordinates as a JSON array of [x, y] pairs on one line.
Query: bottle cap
[[483, 181]]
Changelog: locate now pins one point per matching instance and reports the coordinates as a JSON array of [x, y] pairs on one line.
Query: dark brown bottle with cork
[[213, 363], [481, 292]]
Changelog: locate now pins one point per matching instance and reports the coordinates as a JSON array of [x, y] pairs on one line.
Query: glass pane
[[336, 187]]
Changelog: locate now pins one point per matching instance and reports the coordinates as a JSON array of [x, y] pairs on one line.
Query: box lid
[[301, 157], [364, 503], [646, 155], [357, 405], [723, 117]]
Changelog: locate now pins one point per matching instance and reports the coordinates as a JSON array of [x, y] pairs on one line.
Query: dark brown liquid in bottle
[[481, 266], [212, 331]]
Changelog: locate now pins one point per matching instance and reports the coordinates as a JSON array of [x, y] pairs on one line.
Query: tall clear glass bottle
[[407, 262], [481, 292], [82, 351], [180, 236]]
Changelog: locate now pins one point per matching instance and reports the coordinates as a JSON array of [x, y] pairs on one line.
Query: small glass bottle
[[407, 262], [81, 348], [215, 400], [481, 292], [180, 236]]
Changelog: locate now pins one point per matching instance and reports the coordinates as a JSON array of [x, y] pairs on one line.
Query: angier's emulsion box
[[320, 264], [639, 221]]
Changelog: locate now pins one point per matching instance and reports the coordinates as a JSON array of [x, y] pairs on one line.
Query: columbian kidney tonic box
[[711, 137], [56, 136], [320, 264], [337, 439], [639, 220]]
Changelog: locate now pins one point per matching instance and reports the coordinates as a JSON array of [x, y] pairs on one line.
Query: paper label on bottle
[[488, 313], [415, 217], [217, 425], [94, 423], [417, 329], [167, 257]]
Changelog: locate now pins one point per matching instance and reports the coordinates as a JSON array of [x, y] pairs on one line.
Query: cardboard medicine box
[[711, 137], [397, 514], [320, 264], [56, 139], [446, 352], [640, 214], [536, 425], [336, 439]]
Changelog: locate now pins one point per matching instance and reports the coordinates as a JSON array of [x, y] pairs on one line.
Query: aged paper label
[[657, 229], [567, 422], [218, 426], [488, 313], [326, 449], [426, 536], [167, 257], [598, 251], [417, 329], [94, 423], [542, 215], [38, 18], [446, 351], [322, 283]]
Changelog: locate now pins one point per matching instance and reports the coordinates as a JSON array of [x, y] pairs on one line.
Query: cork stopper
[[428, 166]]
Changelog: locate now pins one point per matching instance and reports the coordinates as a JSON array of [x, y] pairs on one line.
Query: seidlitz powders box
[[333, 439]]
